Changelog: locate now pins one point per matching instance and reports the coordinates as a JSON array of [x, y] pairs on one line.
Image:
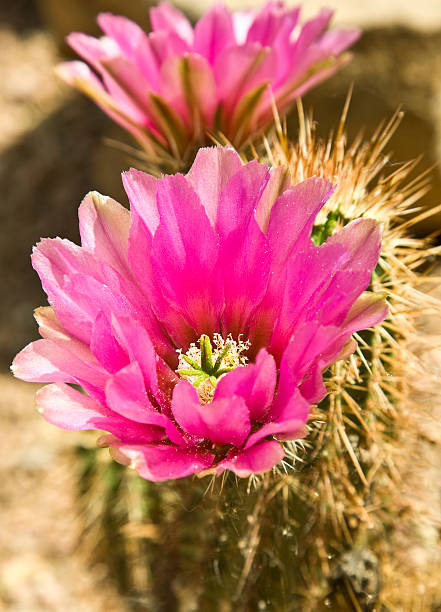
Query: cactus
[[312, 534]]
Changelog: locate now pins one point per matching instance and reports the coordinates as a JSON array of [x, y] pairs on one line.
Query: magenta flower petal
[[159, 462], [124, 81], [369, 310], [187, 85], [242, 253], [187, 267], [139, 349], [304, 290], [312, 30], [133, 43], [259, 458], [105, 347], [256, 383], [214, 32], [212, 420], [293, 216], [362, 239], [79, 75], [237, 70], [301, 358], [240, 197], [336, 41], [279, 181], [47, 361], [104, 230], [288, 425], [272, 22], [199, 324], [51, 329], [141, 190], [126, 395], [92, 49], [209, 175], [168, 18], [179, 330], [67, 408], [290, 221], [223, 75]]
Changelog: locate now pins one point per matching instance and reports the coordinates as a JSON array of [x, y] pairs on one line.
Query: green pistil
[[206, 370]]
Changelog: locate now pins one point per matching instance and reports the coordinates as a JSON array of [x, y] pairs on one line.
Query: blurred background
[[54, 147]]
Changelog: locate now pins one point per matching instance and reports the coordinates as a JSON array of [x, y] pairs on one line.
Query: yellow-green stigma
[[205, 364]]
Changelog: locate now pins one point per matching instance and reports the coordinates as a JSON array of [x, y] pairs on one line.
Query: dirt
[[40, 570]]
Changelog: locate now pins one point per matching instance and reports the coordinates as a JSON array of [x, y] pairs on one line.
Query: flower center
[[205, 364]]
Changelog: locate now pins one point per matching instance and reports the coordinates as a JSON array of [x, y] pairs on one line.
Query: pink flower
[[199, 324], [172, 86]]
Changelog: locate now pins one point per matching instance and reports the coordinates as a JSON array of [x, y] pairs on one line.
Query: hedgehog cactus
[[310, 534]]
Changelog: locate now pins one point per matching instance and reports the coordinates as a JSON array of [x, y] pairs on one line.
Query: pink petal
[[141, 190], [243, 246], [134, 44], [105, 346], [165, 44], [130, 90], [166, 17], [78, 74], [93, 50], [159, 462], [211, 170], [104, 230], [67, 408], [240, 196], [79, 286], [292, 217], [368, 310], [178, 328], [311, 30], [303, 355], [222, 421], [186, 267], [335, 42], [289, 424], [214, 32], [271, 21], [139, 347], [302, 57], [187, 85], [237, 70], [126, 395], [297, 85], [51, 328], [255, 382], [279, 182], [245, 263], [46, 361], [314, 347], [309, 274], [291, 220], [56, 262], [313, 388], [362, 239], [259, 458]]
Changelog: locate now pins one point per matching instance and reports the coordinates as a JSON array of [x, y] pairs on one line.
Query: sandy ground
[[40, 570]]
